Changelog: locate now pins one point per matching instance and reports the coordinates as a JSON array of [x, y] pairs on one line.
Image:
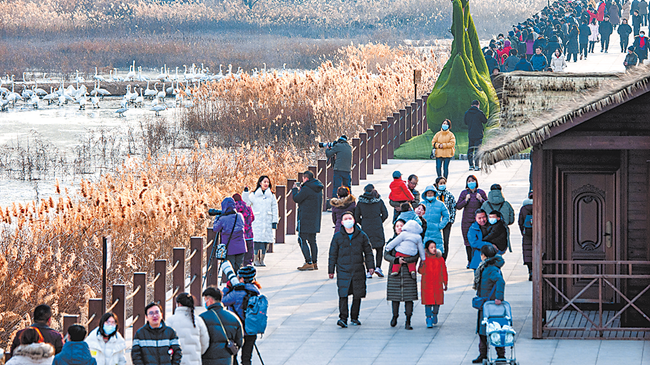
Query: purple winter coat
[[469, 209], [224, 225]]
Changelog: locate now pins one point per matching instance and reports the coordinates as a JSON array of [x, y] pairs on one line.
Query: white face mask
[[348, 223], [492, 220]]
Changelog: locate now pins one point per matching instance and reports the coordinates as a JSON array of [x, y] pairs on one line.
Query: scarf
[[478, 273], [642, 42]]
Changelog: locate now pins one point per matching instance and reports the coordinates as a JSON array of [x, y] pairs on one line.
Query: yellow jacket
[[448, 141]]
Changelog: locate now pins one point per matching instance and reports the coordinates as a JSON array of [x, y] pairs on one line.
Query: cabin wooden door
[[590, 230]]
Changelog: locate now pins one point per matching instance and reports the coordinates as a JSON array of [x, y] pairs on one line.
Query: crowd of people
[[568, 30]]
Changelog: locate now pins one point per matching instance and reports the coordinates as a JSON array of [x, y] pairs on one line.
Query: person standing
[[411, 184], [401, 287], [433, 284], [341, 152], [309, 197], [191, 330], [349, 250], [558, 63], [105, 342], [641, 47], [265, 209], [475, 236], [573, 48], [584, 37], [539, 61], [636, 23], [249, 217], [223, 327], [447, 198], [75, 351], [436, 216], [614, 17], [30, 350], [488, 283], [370, 214], [155, 342], [526, 228], [496, 201], [643, 12], [624, 30], [605, 29], [475, 120], [230, 227], [399, 194], [345, 202], [631, 59], [469, 201], [42, 320], [593, 35], [444, 142], [511, 62]]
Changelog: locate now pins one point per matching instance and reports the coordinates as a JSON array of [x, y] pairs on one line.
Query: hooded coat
[[526, 234], [106, 353], [613, 14], [496, 234], [447, 198], [74, 353], [347, 258], [310, 204], [50, 336], [489, 277], [475, 119], [233, 298], [194, 340], [249, 218], [231, 221], [437, 217], [410, 240], [497, 202], [32, 354], [434, 278], [469, 209], [265, 211], [340, 206], [475, 237], [371, 213]]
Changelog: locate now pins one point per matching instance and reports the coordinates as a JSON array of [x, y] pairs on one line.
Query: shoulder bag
[[231, 346], [477, 302], [222, 249]]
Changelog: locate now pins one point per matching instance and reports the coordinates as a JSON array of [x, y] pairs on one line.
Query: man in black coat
[[605, 29], [474, 119], [585, 32], [42, 320], [349, 251], [222, 325], [341, 152], [309, 197], [624, 30], [155, 343]]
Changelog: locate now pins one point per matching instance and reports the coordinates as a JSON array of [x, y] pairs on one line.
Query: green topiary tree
[[464, 78]]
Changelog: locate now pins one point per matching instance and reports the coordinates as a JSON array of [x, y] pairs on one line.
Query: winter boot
[[407, 325], [429, 322], [262, 256], [256, 259], [393, 322]]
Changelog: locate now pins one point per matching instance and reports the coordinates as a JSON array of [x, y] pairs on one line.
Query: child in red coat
[[399, 193], [434, 282]]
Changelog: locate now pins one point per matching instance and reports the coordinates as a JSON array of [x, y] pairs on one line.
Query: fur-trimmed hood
[[368, 198], [35, 351], [342, 202]]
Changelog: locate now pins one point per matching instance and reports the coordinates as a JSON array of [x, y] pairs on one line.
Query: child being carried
[[407, 244]]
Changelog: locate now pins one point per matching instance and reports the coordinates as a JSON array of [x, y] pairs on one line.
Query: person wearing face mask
[[475, 237], [496, 232], [469, 201], [444, 143], [437, 217], [106, 343], [350, 250], [371, 213], [497, 202], [449, 201]]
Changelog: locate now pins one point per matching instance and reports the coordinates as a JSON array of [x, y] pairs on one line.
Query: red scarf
[[642, 42]]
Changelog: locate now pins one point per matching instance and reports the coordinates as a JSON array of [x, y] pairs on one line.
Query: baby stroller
[[499, 331]]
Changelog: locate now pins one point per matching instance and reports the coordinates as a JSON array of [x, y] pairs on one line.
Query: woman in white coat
[[558, 63], [265, 208], [191, 330], [106, 344], [31, 351]]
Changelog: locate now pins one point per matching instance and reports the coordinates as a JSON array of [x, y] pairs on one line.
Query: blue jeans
[[340, 178], [440, 162], [431, 310]]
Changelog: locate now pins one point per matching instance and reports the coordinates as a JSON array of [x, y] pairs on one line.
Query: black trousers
[[604, 43], [472, 147], [408, 308], [379, 256], [483, 349], [624, 42], [247, 350], [445, 240], [469, 251], [343, 308], [583, 49], [308, 246]]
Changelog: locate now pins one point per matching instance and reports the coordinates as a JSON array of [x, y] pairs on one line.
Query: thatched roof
[[502, 143]]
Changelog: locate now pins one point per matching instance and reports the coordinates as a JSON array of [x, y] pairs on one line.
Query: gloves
[[274, 225]]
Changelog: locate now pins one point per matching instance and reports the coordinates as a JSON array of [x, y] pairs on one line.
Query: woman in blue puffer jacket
[[436, 215]]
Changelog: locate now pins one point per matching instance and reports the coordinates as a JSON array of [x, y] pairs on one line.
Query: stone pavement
[[304, 305]]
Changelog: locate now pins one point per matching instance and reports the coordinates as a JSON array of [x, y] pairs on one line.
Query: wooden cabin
[[591, 192]]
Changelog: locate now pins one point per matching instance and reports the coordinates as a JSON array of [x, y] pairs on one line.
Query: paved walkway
[[304, 305]]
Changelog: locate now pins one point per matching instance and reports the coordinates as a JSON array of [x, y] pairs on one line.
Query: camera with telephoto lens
[[327, 144], [229, 273], [214, 212]]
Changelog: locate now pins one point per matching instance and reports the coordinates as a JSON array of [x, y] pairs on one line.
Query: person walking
[[573, 48], [614, 17], [488, 283], [411, 184], [643, 12], [444, 142], [641, 46], [155, 342], [436, 215], [605, 29], [236, 299], [584, 33], [447, 198], [370, 214], [469, 201], [511, 62], [349, 250], [105, 342], [75, 351], [624, 30], [30, 350], [399, 194], [558, 62], [477, 231], [433, 284], [309, 197], [190, 328], [230, 227], [593, 36], [249, 217], [345, 202], [341, 152], [475, 120], [497, 202], [224, 328], [636, 23], [401, 287], [265, 209], [525, 223], [631, 59], [42, 321]]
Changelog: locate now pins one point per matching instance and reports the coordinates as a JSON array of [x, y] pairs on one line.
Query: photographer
[[230, 225], [341, 152]]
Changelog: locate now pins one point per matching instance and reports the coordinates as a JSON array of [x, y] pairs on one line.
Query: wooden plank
[[539, 188], [597, 143]]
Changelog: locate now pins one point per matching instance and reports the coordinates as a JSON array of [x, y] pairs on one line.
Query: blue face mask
[[445, 127], [471, 185], [492, 220], [348, 223], [442, 187], [109, 329], [430, 198]]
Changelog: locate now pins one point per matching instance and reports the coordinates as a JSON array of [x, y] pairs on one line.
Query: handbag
[[222, 249], [477, 302], [433, 153], [231, 346]]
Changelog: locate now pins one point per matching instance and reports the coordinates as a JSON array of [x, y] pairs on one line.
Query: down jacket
[[371, 213], [437, 217], [194, 340], [224, 225], [33, 354], [249, 218], [233, 298], [401, 287], [448, 141], [153, 346], [449, 201], [490, 276], [347, 257], [497, 202], [107, 353], [74, 353], [51, 336], [217, 353], [340, 206], [409, 242], [526, 234], [265, 210], [310, 205], [475, 237], [469, 209], [434, 278]]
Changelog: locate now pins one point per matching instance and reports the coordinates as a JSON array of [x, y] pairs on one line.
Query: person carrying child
[[496, 232], [407, 244], [399, 193], [434, 282]]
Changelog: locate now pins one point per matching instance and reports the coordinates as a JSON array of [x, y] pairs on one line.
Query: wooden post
[[314, 170], [390, 135], [414, 119], [94, 309], [178, 274], [160, 285], [139, 299], [119, 295], [322, 176], [280, 195], [370, 152], [539, 189], [408, 122], [363, 143], [291, 208], [384, 142], [196, 268], [420, 106], [402, 126], [425, 124], [376, 157], [69, 320], [355, 161]]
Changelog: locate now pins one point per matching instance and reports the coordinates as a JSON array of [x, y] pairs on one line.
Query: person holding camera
[[341, 152], [231, 227], [309, 198], [265, 210], [225, 329]]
